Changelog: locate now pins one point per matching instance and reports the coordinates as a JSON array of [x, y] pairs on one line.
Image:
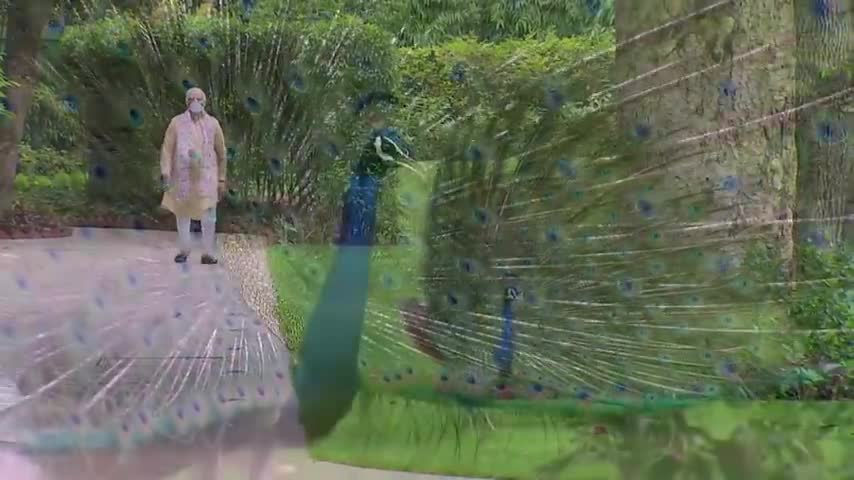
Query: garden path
[[90, 253]]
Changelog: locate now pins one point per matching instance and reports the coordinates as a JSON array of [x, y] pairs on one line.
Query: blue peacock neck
[[505, 349], [327, 378], [360, 211]]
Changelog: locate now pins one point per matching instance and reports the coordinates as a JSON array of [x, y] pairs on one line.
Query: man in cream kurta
[[193, 166]]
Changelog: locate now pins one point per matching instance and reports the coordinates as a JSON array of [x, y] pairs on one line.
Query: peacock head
[[385, 151]]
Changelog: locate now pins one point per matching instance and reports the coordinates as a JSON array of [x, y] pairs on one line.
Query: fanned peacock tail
[[577, 252], [137, 356]]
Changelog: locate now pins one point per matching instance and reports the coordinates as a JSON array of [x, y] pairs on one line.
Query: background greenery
[[442, 59]]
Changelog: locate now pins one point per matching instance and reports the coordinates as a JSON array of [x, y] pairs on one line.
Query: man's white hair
[[194, 91]]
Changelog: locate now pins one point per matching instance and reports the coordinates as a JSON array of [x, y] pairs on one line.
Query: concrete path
[[62, 270]]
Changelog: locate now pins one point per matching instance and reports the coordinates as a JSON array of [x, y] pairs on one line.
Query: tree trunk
[[824, 155], [25, 23], [716, 72]]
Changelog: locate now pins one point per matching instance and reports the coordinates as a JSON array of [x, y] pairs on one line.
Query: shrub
[[51, 124], [449, 85], [48, 161], [824, 304], [283, 91]]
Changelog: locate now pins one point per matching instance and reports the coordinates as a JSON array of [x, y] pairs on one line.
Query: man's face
[[196, 97]]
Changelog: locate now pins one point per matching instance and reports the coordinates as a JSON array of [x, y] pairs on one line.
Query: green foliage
[[278, 105], [824, 304], [433, 22], [58, 194], [51, 123], [4, 84], [458, 82], [48, 161], [421, 23], [750, 440]]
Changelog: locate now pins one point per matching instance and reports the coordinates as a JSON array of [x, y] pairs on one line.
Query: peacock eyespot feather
[[70, 104], [645, 208], [252, 104], [728, 368], [8, 331], [554, 99], [276, 166], [628, 287], [296, 82], [727, 89], [730, 184], [567, 169], [468, 266], [474, 153], [481, 216], [458, 72], [123, 49], [642, 131]]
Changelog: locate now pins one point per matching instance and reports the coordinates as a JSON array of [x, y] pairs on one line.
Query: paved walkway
[[63, 269]]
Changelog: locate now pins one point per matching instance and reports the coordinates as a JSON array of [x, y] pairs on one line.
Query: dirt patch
[[25, 225]]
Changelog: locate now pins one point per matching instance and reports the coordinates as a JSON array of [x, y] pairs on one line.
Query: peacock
[[573, 242]]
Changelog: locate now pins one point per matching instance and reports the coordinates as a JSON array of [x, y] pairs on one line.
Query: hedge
[[285, 93]]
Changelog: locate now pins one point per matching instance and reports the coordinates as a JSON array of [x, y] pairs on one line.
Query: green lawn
[[389, 431], [384, 430], [713, 441]]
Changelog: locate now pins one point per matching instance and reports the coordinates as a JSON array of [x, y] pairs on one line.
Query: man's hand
[[221, 189], [165, 181]]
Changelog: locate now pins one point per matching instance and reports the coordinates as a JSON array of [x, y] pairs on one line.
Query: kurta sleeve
[[221, 156], [167, 151]]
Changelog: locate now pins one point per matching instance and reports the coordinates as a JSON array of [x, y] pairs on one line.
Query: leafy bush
[[59, 194], [457, 82], [824, 303], [51, 124], [48, 161], [288, 118]]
